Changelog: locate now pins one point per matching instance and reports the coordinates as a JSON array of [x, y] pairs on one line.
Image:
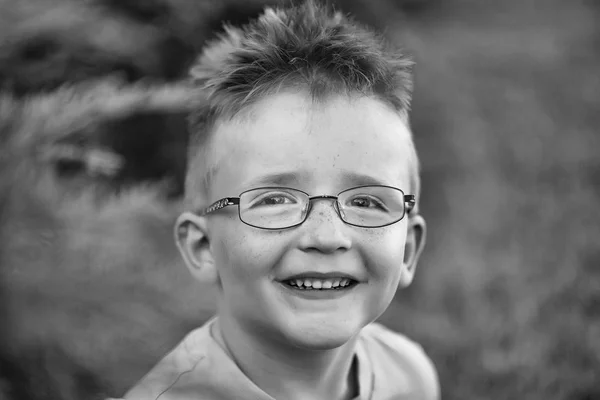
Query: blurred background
[[506, 116]]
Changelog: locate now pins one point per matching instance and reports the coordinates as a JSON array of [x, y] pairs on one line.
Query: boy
[[303, 180]]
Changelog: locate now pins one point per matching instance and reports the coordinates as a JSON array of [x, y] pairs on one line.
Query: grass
[[504, 122]]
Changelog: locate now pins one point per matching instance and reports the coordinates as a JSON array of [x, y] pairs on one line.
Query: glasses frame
[[409, 204]]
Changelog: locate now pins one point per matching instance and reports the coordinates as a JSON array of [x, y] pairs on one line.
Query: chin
[[320, 336], [319, 343]]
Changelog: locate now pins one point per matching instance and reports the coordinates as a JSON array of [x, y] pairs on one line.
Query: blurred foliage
[[505, 118], [505, 115]]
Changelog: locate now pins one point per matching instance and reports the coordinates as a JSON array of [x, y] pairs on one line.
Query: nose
[[324, 231]]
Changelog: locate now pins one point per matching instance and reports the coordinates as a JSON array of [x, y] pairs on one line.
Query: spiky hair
[[309, 46]]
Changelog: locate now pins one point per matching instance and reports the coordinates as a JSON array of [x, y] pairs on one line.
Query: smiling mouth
[[321, 284]]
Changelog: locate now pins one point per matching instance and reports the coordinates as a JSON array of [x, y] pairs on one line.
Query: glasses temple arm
[[217, 205], [410, 201]]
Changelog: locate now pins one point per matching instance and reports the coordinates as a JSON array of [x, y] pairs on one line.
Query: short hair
[[310, 46]]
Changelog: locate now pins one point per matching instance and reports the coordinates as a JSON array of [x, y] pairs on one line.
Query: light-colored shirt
[[390, 367]]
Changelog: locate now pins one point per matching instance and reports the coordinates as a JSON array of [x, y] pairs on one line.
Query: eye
[[365, 201], [274, 199]]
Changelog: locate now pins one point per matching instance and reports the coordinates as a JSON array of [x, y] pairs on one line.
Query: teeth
[[320, 284]]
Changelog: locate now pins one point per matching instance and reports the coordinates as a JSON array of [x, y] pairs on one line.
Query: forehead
[[288, 139]]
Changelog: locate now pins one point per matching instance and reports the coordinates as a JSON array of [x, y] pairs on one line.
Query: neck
[[286, 372]]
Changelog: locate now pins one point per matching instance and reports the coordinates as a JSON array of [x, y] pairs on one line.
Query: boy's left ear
[[415, 241]]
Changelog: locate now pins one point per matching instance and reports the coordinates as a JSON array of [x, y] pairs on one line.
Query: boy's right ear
[[191, 237]]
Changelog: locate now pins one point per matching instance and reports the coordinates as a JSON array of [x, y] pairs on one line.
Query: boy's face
[[321, 149]]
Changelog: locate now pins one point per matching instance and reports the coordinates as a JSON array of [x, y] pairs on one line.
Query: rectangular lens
[[272, 208], [372, 205]]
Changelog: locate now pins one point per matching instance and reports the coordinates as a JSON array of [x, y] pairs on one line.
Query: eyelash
[[258, 200]]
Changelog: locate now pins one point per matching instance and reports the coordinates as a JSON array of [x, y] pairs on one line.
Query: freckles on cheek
[[385, 253], [237, 257]]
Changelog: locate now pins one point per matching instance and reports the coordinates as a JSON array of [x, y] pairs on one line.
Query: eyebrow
[[356, 179], [276, 179], [290, 179]]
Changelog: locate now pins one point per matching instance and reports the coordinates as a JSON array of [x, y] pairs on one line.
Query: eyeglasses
[[276, 208]]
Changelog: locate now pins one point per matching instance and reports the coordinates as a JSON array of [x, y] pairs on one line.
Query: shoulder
[[396, 357], [180, 361]]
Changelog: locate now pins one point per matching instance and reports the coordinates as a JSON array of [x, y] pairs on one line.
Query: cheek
[[385, 253], [242, 256]]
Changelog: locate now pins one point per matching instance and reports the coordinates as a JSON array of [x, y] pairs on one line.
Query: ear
[[191, 237], [415, 242]]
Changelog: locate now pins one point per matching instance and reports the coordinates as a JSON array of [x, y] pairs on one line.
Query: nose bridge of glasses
[[323, 197], [335, 204]]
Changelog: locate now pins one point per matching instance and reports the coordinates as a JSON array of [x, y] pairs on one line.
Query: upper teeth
[[320, 283]]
